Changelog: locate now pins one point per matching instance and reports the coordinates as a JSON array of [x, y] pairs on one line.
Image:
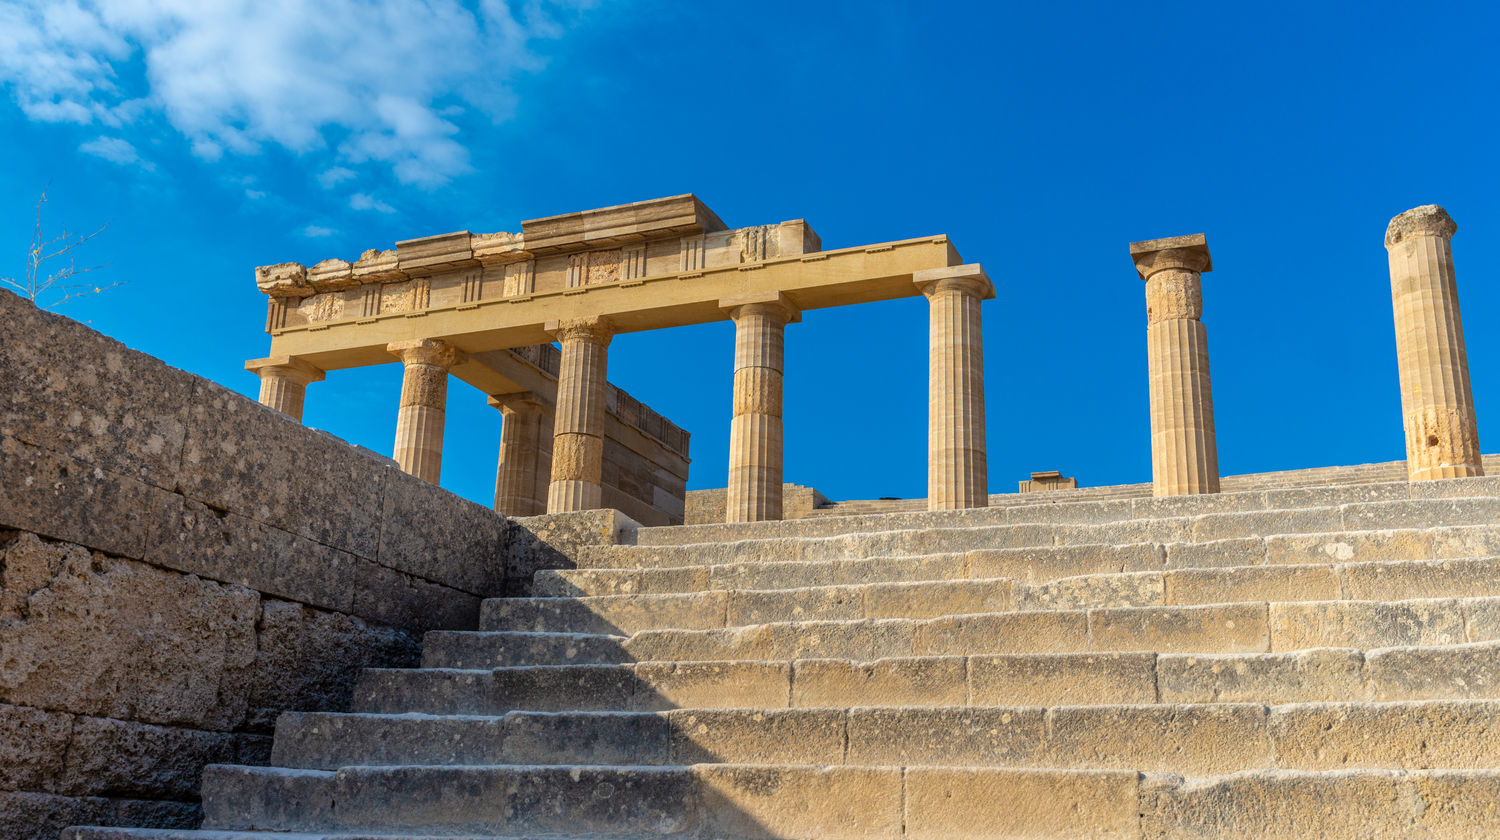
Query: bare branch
[[40, 280]]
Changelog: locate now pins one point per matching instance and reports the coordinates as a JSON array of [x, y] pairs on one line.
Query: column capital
[[1427, 220], [426, 351], [969, 279], [519, 402], [286, 367], [595, 330], [774, 304], [1187, 253]]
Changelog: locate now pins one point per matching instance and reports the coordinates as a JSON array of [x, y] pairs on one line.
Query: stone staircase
[[1310, 662]]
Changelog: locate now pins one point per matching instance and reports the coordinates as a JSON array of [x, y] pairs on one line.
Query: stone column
[[1184, 454], [755, 433], [283, 383], [424, 397], [520, 454], [957, 474], [578, 423], [1437, 404]]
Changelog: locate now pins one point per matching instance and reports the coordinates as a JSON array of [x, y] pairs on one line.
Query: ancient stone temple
[[217, 624]]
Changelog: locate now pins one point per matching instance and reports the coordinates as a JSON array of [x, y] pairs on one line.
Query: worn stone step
[[1247, 533], [1062, 510], [1438, 672], [472, 649], [1191, 739], [729, 802], [106, 833], [1369, 581]]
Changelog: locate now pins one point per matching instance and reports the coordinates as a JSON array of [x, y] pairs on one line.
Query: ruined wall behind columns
[[179, 564]]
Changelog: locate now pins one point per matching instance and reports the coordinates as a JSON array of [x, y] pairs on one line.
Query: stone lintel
[[606, 227], [283, 280], [290, 363], [778, 299], [332, 276], [519, 400], [1427, 220], [970, 272], [1046, 475], [436, 253], [1192, 248]]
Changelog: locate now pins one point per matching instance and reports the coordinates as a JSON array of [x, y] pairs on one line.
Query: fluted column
[[283, 383], [424, 398], [578, 426], [1437, 403], [1184, 454], [755, 433], [520, 455], [957, 473]]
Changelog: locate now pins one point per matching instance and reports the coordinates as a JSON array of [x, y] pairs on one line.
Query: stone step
[[1092, 512], [1191, 739], [471, 649], [1435, 672], [630, 613], [730, 802], [107, 833], [1472, 518]]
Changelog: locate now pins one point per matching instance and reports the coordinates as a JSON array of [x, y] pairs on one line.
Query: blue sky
[[215, 137]]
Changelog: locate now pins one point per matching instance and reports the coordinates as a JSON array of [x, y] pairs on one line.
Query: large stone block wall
[[179, 564], [709, 507]]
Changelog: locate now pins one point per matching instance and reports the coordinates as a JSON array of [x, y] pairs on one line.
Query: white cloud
[[376, 82], [330, 178], [115, 150], [317, 232], [255, 195], [363, 201]]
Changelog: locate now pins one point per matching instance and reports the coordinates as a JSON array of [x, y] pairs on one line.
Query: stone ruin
[[217, 624]]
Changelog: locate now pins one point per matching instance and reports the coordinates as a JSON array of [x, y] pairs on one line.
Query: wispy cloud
[[361, 201], [317, 232], [384, 83], [116, 150]]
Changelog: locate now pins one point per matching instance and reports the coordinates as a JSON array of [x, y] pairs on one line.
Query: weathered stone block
[[1027, 632], [555, 541], [1062, 679], [930, 599], [1365, 624], [473, 538], [997, 736], [1204, 740], [1396, 736], [319, 741], [1221, 628], [610, 738], [1300, 676], [910, 681], [1416, 673], [842, 603], [1137, 589], [834, 803], [757, 736], [63, 498], [711, 685], [964, 803], [43, 816], [33, 744], [1253, 583], [120, 758]]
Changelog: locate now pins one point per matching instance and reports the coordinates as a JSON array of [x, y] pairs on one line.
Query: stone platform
[[1299, 662]]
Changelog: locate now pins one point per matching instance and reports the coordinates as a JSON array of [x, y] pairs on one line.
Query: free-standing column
[[283, 383], [1437, 405], [957, 474], [755, 433], [578, 426], [424, 397], [1184, 455], [520, 455]]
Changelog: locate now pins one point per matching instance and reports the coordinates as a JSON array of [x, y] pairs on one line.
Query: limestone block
[[1062, 679], [267, 798], [754, 642], [1300, 676], [757, 736], [1460, 542], [1197, 740], [1419, 673], [121, 758], [1453, 804], [866, 639], [609, 614], [962, 803], [472, 536], [1396, 736], [742, 576], [445, 649], [1482, 619], [33, 743], [245, 458], [75, 393], [551, 801], [1139, 589], [824, 603], [924, 568], [43, 816], [1349, 546], [434, 692], [952, 736], [1223, 526], [547, 688], [71, 637], [1366, 624], [1217, 553], [928, 599], [391, 597], [554, 541], [709, 685], [1039, 565], [924, 681], [1026, 632], [833, 803], [537, 738], [59, 497], [1256, 583], [1222, 628], [1275, 803], [1422, 579]]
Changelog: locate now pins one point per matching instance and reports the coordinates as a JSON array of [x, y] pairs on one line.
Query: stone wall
[[707, 507], [178, 565]]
